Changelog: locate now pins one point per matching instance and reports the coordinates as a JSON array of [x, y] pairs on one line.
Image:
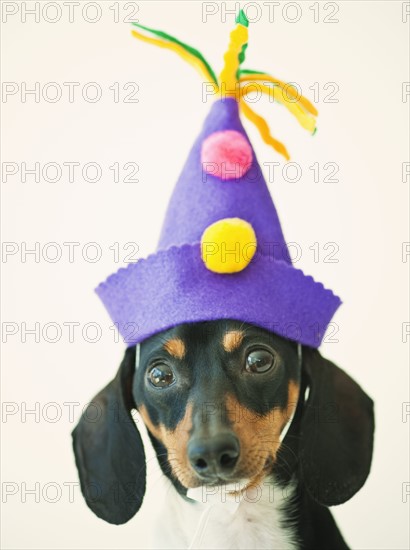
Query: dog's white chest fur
[[257, 522]]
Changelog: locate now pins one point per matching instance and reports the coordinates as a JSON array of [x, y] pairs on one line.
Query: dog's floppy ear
[[109, 452], [336, 432]]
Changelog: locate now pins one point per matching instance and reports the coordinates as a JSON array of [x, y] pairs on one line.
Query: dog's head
[[216, 398]]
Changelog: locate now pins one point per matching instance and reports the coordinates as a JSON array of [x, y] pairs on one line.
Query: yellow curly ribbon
[[263, 128], [306, 120], [290, 90], [228, 77]]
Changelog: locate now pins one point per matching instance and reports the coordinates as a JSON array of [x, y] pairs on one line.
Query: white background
[[366, 54]]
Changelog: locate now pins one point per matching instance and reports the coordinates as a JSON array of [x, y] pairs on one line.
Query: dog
[[229, 405]]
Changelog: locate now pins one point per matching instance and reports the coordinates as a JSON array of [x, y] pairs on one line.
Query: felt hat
[[222, 253]]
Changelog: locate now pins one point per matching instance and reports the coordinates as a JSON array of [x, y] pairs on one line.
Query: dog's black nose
[[215, 455]]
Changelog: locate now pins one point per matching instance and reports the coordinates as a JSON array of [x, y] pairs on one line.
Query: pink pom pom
[[226, 154]]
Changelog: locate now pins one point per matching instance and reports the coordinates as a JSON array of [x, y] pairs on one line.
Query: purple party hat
[[222, 253]]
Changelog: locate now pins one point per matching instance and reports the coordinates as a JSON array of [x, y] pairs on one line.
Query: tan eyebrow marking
[[175, 347], [232, 340]]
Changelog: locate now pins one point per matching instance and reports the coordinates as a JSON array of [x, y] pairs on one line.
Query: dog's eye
[[259, 361], [161, 376]]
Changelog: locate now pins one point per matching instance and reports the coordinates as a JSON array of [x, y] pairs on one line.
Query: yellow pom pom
[[228, 245]]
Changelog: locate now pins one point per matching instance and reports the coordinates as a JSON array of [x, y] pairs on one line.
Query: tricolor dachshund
[[227, 404]]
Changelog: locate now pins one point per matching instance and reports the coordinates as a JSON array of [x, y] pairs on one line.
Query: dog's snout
[[214, 456]]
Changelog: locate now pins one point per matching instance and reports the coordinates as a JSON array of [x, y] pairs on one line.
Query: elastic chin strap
[[289, 422], [137, 355], [300, 356]]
